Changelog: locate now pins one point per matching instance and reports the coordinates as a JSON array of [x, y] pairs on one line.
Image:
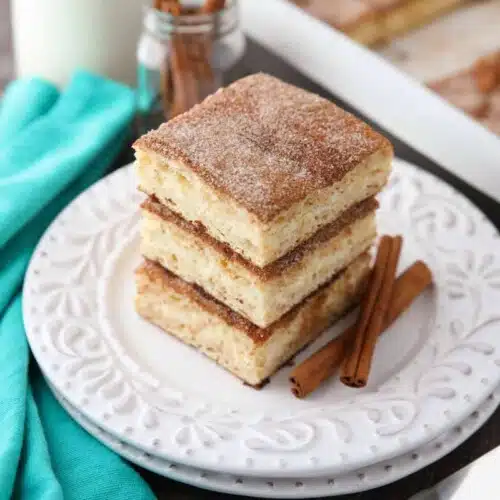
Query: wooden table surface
[[484, 440]]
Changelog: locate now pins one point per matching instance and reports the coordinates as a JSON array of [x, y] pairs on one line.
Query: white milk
[[52, 38]]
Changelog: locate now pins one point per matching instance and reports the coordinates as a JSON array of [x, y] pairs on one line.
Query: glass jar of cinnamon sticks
[[184, 54]]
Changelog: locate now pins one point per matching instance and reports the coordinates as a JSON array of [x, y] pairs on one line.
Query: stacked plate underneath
[[162, 405], [366, 478]]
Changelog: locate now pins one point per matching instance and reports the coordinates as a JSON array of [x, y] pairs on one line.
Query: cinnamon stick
[[184, 76], [174, 65], [201, 55], [190, 70], [210, 83], [312, 372], [172, 7], [166, 84], [356, 367], [319, 367], [212, 6]]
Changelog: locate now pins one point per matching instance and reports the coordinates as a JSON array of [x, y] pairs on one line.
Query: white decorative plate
[[368, 478], [433, 368]]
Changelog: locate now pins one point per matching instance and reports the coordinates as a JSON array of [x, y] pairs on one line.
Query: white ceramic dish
[[371, 477], [433, 368]]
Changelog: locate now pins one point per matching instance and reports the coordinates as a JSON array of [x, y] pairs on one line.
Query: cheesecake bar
[[475, 90], [262, 295], [262, 166], [373, 21], [251, 353], [400, 16], [356, 18]]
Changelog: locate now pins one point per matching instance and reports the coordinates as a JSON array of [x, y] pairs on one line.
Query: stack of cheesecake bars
[[258, 223]]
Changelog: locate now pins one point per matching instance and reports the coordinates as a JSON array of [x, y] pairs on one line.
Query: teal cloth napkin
[[52, 146]]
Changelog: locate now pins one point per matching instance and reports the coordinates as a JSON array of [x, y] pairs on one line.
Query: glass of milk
[[53, 38]]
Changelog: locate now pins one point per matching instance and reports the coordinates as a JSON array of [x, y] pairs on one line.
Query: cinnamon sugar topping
[[265, 144]]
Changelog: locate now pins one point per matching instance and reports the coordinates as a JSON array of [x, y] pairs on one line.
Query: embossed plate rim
[[353, 482], [376, 426]]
